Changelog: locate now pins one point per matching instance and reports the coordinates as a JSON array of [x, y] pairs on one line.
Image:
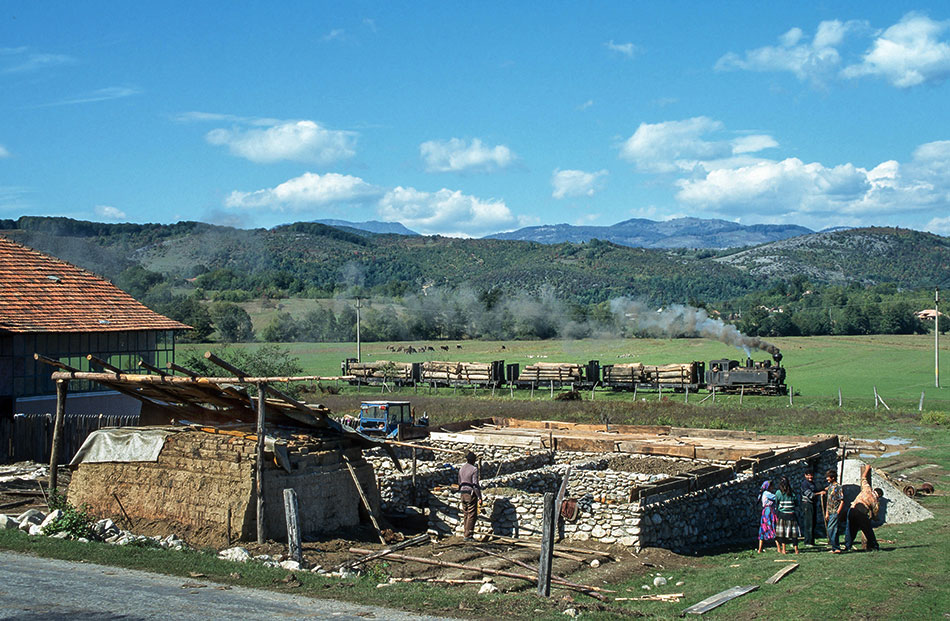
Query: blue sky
[[471, 118]]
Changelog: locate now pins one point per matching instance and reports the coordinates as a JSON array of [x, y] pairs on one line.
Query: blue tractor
[[391, 419]]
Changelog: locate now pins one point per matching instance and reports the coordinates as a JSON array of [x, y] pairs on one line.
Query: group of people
[[781, 510]]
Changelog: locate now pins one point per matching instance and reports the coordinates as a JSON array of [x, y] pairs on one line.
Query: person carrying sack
[[471, 493]]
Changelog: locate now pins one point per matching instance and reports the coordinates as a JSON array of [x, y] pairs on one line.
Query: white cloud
[[814, 61], [587, 104], [3, 152], [306, 191], [753, 143], [456, 155], [336, 34], [102, 94], [34, 62], [300, 141], [445, 212], [940, 226], [907, 54], [109, 213], [793, 190], [573, 183], [683, 145], [627, 49]]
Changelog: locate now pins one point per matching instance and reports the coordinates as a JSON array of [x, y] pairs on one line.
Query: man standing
[[808, 508], [863, 510], [834, 510], [471, 493]]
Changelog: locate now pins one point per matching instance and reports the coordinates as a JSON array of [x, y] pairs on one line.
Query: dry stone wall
[[725, 514]]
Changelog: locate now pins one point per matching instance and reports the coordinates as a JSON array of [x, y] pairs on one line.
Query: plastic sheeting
[[145, 444]]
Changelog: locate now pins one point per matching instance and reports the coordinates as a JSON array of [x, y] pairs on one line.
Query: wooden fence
[[28, 437]]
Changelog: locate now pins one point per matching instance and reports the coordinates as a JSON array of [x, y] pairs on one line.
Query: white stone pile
[[36, 523]]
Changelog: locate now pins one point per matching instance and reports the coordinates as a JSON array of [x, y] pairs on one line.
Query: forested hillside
[[842, 282]]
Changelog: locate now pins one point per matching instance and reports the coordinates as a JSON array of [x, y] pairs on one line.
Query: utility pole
[[937, 337], [359, 357]]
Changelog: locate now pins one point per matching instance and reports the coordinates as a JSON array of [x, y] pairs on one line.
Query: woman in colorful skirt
[[786, 527], [767, 523]]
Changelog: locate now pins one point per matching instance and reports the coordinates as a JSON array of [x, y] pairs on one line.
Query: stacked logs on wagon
[[685, 373], [456, 371], [381, 369], [551, 371]]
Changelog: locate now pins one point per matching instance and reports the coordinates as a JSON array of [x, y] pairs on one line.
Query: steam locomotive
[[766, 377]]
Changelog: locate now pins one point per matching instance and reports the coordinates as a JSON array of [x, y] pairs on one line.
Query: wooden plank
[[259, 466], [292, 518], [687, 451], [686, 432], [582, 445], [782, 573], [719, 599], [359, 488]]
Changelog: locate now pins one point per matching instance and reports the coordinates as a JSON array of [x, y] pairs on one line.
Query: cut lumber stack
[[456, 371], [551, 371], [381, 369], [630, 373], [672, 373], [684, 373]]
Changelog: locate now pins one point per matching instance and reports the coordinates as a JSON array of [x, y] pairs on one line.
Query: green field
[[899, 366]]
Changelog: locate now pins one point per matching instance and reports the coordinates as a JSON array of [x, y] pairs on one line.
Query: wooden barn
[[64, 312]]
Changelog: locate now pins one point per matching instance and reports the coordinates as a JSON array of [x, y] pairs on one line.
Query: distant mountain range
[[676, 233], [370, 226]]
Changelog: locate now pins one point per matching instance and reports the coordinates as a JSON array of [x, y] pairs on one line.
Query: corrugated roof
[[40, 293]]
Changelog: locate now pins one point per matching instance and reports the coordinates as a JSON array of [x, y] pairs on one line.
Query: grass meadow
[[901, 367]]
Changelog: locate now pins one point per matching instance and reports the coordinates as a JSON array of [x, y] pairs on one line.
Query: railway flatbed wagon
[[554, 374], [637, 376], [438, 373]]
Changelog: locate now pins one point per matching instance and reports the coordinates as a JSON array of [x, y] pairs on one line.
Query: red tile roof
[[40, 293]]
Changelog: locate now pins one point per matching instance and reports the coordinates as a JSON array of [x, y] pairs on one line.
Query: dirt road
[[37, 589]]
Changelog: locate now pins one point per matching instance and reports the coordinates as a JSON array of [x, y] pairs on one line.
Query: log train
[[766, 377]]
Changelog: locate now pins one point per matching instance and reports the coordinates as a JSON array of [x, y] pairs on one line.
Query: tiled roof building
[[54, 308]]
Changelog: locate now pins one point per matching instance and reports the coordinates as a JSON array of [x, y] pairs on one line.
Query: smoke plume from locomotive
[[681, 320]]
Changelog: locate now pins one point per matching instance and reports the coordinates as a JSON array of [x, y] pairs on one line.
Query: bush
[[76, 522], [936, 418]]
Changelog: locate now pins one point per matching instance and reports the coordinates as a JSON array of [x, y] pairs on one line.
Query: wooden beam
[[61, 386], [259, 466], [359, 488]]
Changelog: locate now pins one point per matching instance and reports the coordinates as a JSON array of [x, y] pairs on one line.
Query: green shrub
[[936, 418], [76, 522]]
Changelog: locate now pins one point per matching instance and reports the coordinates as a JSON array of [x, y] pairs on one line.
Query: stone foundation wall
[[725, 514]]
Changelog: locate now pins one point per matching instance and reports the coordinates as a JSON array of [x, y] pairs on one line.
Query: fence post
[[839, 396], [875, 397], [547, 547], [61, 386], [293, 525], [920, 407]]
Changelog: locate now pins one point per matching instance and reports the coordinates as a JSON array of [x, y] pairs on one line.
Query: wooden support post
[[839, 396], [791, 391], [293, 525], [592, 391], [369, 508], [714, 394], [259, 466], [659, 392], [686, 400], [634, 391], [552, 389], [413, 476], [741, 393], [920, 406], [61, 386], [547, 547], [532, 390]]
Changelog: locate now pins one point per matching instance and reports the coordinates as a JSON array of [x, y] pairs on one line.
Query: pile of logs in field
[[436, 371], [686, 373], [381, 369], [551, 371]]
